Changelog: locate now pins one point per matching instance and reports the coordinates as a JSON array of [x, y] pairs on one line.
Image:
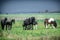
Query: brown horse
[[50, 21]]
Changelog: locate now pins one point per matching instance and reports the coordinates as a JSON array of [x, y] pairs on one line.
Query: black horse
[[28, 23], [50, 21], [6, 23], [3, 23], [9, 24]]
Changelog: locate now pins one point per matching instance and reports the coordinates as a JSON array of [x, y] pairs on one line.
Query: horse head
[[55, 24], [33, 18], [5, 19], [13, 20]]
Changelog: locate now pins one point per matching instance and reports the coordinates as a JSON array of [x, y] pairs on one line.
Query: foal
[[50, 21]]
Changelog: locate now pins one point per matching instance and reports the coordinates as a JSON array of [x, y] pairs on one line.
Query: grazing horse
[[28, 23], [3, 23], [50, 21], [9, 24]]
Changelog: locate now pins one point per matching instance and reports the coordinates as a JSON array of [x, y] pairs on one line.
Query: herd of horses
[[28, 24]]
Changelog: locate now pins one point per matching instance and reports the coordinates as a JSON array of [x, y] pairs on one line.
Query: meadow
[[17, 32]]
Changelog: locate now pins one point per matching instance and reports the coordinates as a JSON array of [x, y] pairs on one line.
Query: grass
[[17, 32]]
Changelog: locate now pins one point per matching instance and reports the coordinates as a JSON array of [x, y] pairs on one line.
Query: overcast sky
[[29, 6]]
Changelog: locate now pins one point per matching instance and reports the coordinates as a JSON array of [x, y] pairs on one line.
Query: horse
[[6, 23], [50, 21], [28, 23], [3, 23], [9, 24]]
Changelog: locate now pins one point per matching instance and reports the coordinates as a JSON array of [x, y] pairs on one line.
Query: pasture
[[17, 32]]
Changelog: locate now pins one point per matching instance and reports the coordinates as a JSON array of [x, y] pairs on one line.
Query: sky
[[14, 6]]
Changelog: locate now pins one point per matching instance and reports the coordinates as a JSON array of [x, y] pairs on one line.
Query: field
[[17, 32]]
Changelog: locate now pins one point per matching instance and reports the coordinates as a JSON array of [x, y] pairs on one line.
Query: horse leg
[[32, 26], [46, 25], [6, 27], [2, 27], [50, 25], [25, 28], [35, 26], [10, 27]]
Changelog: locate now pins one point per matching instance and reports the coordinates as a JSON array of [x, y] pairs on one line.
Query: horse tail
[[55, 24]]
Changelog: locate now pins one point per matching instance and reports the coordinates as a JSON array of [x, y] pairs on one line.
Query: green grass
[[17, 31]]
